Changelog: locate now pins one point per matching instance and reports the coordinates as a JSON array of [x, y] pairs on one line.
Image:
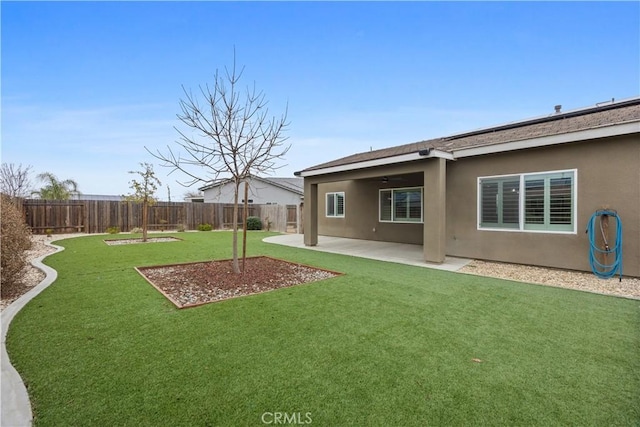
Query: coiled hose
[[602, 269]]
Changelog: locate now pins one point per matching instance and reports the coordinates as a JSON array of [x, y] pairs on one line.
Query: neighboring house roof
[[540, 131], [295, 185]]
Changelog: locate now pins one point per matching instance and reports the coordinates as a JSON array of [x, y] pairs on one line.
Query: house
[[521, 192], [262, 191]]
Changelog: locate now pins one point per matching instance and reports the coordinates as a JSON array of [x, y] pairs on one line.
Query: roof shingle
[[555, 124]]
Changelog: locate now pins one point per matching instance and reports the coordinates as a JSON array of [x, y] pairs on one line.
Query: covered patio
[[415, 215], [402, 253]]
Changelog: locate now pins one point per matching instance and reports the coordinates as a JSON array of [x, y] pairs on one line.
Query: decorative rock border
[[309, 274], [138, 240]]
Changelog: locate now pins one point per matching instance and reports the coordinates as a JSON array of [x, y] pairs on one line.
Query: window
[[529, 202], [401, 205], [548, 202], [335, 205], [499, 201]]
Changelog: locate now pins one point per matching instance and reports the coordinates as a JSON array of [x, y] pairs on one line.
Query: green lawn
[[385, 344]]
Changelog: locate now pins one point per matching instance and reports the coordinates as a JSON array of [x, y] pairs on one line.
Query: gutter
[[427, 153], [544, 141], [403, 158]]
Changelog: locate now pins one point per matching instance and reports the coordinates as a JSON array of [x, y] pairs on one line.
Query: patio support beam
[[434, 246], [310, 213]]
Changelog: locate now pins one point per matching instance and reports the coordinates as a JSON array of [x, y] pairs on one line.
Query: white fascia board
[[441, 155], [364, 164], [583, 135], [385, 161], [543, 141]]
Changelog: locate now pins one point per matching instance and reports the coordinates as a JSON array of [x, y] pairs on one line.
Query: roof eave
[[385, 161], [582, 135], [544, 141]]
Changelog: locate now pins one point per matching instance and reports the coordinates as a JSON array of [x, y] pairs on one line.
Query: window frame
[[335, 204], [522, 225], [404, 220]]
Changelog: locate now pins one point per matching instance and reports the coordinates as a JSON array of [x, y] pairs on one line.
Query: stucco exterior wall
[[608, 175], [361, 220]]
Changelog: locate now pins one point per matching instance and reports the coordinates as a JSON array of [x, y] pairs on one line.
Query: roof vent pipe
[[558, 108]]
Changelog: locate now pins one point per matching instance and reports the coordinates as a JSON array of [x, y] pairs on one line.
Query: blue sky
[[86, 86]]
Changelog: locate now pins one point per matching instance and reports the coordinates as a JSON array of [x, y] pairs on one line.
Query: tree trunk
[[145, 208], [236, 267], [244, 225]]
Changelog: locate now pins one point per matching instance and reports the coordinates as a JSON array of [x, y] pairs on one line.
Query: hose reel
[[605, 259]]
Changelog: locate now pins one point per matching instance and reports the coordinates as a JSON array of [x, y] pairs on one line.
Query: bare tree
[[143, 192], [230, 134], [15, 180]]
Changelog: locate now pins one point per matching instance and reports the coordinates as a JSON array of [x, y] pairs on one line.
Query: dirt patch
[[193, 284], [115, 242]]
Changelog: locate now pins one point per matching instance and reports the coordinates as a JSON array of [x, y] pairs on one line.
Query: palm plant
[[54, 189]]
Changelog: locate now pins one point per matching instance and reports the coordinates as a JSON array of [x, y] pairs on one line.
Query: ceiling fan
[[386, 179]]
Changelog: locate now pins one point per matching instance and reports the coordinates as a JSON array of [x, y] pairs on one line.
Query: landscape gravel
[[117, 242], [629, 287]]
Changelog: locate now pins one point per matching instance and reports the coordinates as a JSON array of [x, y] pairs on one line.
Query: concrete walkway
[[383, 251], [15, 408]]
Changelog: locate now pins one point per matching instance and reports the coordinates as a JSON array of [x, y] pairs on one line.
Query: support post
[[435, 212], [310, 213]]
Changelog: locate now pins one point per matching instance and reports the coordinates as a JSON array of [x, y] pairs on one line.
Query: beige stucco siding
[[608, 175], [361, 220]]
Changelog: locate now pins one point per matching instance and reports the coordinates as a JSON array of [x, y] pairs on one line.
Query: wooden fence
[[95, 216]]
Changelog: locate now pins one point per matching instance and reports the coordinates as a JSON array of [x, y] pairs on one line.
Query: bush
[[181, 228], [15, 241], [136, 230], [205, 227], [113, 230], [254, 223]]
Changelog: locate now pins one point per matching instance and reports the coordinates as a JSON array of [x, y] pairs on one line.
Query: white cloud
[[95, 146]]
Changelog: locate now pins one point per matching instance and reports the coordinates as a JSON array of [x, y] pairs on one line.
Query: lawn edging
[[15, 404], [179, 305]]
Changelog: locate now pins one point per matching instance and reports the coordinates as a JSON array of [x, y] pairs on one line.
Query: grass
[[385, 344]]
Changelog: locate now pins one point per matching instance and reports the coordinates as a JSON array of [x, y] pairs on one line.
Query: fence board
[[95, 216]]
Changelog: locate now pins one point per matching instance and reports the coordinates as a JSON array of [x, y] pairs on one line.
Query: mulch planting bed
[[193, 284], [114, 242]]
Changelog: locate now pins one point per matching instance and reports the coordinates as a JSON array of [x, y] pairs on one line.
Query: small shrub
[[136, 230], [15, 241], [254, 223], [205, 227], [49, 232], [113, 230], [181, 228]]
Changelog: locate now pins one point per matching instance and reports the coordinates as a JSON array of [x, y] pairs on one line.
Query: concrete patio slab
[[383, 251]]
